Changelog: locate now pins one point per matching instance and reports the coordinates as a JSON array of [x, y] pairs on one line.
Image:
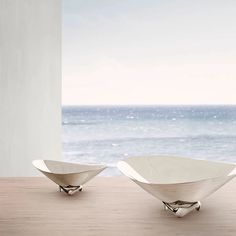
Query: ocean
[[107, 134]]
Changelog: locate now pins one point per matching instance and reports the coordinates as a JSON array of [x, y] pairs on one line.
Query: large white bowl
[[179, 182], [69, 176]]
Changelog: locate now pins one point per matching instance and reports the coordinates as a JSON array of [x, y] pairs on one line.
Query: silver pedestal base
[[70, 190], [182, 208]]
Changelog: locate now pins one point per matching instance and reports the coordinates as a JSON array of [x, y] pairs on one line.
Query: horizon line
[[128, 105]]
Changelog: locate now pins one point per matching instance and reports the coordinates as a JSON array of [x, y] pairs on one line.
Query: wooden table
[[107, 206]]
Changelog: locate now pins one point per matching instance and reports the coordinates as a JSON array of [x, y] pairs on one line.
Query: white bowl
[[69, 176], [180, 183]]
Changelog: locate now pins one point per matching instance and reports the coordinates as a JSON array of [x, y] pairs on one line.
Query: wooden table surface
[[107, 206]]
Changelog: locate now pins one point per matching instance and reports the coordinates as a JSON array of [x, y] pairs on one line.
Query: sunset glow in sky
[[149, 52]]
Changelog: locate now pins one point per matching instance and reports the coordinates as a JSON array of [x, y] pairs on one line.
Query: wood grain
[[107, 206]]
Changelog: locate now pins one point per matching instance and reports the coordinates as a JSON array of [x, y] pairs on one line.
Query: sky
[[149, 52]]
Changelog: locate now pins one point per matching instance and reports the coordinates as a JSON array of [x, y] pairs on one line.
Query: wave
[[117, 141], [64, 123]]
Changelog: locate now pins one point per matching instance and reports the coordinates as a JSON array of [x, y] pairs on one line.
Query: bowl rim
[[176, 183], [100, 166]]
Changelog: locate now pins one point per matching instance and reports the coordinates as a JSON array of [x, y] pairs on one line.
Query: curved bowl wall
[[172, 179], [67, 173]]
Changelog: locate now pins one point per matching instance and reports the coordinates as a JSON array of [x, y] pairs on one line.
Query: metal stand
[[182, 208], [70, 190]]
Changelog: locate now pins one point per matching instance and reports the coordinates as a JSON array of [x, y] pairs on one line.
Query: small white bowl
[[180, 183], [69, 176]]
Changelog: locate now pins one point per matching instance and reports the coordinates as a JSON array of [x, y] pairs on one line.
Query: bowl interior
[[59, 167], [169, 170]]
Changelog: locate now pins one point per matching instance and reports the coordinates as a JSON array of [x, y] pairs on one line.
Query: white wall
[[30, 84]]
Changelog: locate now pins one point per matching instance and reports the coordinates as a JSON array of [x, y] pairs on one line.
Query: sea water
[[107, 134]]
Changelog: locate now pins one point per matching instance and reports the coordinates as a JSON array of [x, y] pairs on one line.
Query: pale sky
[[149, 52]]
